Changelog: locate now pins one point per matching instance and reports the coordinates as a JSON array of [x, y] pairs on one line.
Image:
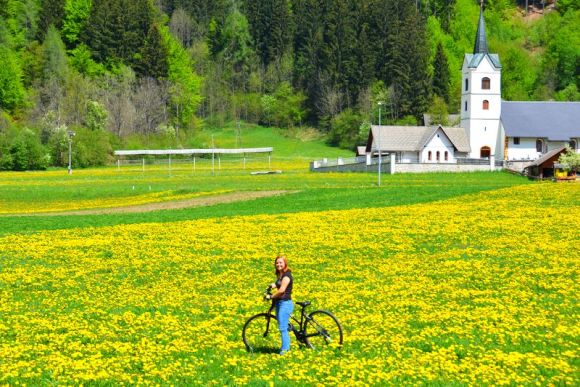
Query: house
[[518, 132], [418, 144], [533, 129]]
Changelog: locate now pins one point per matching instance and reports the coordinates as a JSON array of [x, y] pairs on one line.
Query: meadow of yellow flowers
[[477, 289]]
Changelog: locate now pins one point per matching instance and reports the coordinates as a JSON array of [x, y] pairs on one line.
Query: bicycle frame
[[299, 333]]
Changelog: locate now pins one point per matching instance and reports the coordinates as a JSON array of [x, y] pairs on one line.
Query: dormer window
[[485, 83]]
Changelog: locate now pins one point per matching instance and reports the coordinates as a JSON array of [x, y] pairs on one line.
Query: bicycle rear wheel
[[323, 330], [260, 333]]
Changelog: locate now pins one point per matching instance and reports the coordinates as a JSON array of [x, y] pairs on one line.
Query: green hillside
[[169, 73]]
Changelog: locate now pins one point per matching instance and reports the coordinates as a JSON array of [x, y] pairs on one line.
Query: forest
[[138, 74]]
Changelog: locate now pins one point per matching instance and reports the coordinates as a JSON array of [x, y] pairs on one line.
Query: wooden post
[[143, 164]]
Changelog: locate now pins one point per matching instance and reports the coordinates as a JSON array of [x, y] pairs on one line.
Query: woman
[[283, 299]]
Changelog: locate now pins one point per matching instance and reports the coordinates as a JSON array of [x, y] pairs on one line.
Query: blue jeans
[[283, 311]]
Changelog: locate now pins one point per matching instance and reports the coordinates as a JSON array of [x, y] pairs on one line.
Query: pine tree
[[269, 22], [153, 56], [441, 74], [117, 29], [51, 13]]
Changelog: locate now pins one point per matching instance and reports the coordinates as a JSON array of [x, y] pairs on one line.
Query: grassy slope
[[285, 145]]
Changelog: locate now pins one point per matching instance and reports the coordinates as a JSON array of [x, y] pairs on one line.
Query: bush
[[27, 153], [91, 148], [345, 130]]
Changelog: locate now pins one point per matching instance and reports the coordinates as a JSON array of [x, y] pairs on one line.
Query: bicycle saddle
[[303, 303]]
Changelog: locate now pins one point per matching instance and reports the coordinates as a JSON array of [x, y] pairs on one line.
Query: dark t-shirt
[[288, 293]]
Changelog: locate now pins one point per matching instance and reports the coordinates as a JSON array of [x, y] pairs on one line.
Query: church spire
[[480, 38]]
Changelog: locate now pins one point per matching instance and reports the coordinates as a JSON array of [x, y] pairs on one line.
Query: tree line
[[151, 73]]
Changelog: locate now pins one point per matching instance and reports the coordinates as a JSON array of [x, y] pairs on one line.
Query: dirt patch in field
[[173, 205]]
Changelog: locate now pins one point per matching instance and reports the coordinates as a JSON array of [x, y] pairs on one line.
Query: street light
[[380, 103], [71, 134]]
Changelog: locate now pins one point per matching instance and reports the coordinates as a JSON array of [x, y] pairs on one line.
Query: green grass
[[287, 143], [316, 192]]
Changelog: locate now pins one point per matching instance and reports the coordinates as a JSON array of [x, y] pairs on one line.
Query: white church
[[490, 129]]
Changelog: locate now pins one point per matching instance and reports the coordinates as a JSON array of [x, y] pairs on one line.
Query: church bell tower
[[481, 98]]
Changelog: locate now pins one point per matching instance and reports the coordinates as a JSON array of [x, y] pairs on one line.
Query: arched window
[[466, 84], [446, 156], [573, 144], [485, 104], [429, 156], [485, 83], [485, 152], [438, 156], [539, 145]]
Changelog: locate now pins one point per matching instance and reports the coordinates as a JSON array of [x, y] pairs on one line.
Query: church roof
[[414, 138], [473, 60], [480, 49], [556, 121], [480, 38]]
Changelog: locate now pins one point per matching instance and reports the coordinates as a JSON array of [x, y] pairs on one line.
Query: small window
[[485, 104], [539, 145], [516, 141], [485, 83], [466, 84], [446, 156], [465, 105], [429, 156], [438, 156]]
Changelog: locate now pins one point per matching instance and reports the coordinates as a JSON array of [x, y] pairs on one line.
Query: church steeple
[[480, 38]]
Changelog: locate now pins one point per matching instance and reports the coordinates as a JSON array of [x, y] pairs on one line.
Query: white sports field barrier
[[194, 159]]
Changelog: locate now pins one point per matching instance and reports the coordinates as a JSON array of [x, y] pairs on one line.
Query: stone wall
[[425, 168], [359, 167], [404, 168]]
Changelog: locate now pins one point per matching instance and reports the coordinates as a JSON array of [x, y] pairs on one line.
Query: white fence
[[195, 159]]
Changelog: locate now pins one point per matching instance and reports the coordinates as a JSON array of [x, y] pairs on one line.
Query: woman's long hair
[[285, 269]]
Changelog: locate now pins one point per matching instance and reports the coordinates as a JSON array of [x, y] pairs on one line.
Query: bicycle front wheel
[[323, 330], [260, 333]]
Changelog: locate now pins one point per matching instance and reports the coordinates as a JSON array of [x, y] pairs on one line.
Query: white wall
[[439, 143], [526, 149]]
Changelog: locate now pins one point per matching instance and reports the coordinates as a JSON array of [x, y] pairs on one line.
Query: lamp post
[[380, 103], [71, 134]]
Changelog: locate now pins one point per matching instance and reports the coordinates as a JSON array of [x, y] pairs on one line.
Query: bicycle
[[316, 330]]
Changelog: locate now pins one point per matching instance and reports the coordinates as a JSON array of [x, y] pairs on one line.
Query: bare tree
[[331, 99], [181, 26], [150, 100], [117, 95]]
